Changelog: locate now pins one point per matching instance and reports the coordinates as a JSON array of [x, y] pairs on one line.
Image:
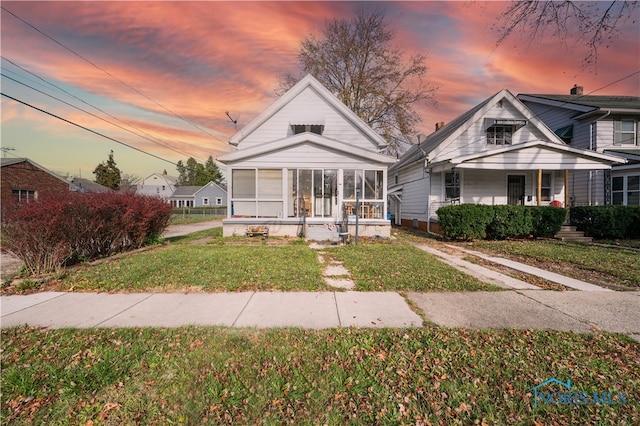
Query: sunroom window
[[256, 193], [368, 185]]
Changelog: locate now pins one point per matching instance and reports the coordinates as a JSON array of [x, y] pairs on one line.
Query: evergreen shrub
[[607, 222]]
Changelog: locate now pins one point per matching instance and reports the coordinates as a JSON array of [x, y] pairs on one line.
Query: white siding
[[473, 140], [306, 156], [308, 108], [415, 191], [533, 158]]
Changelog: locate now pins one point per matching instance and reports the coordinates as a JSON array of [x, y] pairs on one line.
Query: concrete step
[[570, 233]]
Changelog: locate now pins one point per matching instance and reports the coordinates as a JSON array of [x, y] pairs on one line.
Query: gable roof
[[460, 124], [10, 161], [302, 138], [86, 185], [587, 103], [190, 190], [299, 87]]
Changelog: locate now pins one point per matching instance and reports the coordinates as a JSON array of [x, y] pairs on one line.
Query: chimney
[[576, 90], [439, 125]]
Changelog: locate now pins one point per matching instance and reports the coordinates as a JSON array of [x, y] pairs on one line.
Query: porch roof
[[532, 155]]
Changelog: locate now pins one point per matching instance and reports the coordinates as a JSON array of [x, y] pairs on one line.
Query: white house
[[158, 185], [301, 165], [209, 195], [499, 152], [606, 124]]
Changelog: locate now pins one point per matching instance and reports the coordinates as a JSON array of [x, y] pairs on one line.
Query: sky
[[154, 81]]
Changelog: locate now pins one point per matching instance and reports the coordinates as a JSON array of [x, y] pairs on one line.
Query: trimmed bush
[[547, 221], [475, 221], [509, 221], [465, 221], [607, 222], [49, 233]]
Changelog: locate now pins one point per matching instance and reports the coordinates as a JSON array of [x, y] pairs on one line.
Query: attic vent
[[313, 128]]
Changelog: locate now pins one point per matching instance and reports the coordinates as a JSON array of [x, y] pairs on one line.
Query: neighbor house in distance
[[23, 180], [159, 185]]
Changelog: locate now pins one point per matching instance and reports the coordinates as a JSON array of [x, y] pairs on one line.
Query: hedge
[[607, 222], [478, 221], [52, 232]]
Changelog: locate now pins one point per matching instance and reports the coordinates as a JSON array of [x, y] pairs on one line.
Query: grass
[[205, 261], [198, 375], [400, 266], [184, 219], [620, 266]]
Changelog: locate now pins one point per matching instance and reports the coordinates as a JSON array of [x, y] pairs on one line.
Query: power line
[[108, 73], [94, 115], [86, 128]]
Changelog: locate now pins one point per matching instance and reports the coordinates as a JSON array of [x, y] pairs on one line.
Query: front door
[[515, 190]]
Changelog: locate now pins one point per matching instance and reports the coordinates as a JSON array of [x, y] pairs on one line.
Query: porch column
[[539, 189], [566, 188]]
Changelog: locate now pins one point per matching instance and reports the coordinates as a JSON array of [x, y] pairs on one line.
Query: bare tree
[[596, 24], [355, 60]]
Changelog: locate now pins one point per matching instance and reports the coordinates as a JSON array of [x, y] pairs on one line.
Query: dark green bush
[[475, 221], [465, 221], [547, 220], [509, 221], [607, 222]]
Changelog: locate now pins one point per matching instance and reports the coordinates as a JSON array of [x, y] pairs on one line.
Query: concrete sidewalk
[[314, 310], [578, 311]]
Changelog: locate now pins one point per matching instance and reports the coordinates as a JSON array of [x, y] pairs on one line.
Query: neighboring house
[[23, 180], [301, 164], [209, 195], [158, 185], [606, 124], [86, 186], [498, 152]]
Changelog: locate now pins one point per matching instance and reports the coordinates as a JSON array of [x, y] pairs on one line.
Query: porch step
[[570, 233]]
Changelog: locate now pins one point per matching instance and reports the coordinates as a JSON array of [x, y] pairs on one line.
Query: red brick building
[[22, 180]]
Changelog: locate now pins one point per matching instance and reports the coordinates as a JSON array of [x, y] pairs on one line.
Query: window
[[625, 190], [256, 193], [452, 185], [312, 193], [499, 135], [500, 131], [624, 132], [545, 187], [205, 201], [218, 201], [369, 186], [24, 195], [312, 128]]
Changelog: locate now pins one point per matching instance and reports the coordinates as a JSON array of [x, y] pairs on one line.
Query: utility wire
[[107, 73], [87, 129], [149, 138], [97, 116]]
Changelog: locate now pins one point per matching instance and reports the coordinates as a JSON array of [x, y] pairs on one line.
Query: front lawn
[[592, 263], [205, 261], [401, 267], [206, 375]]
